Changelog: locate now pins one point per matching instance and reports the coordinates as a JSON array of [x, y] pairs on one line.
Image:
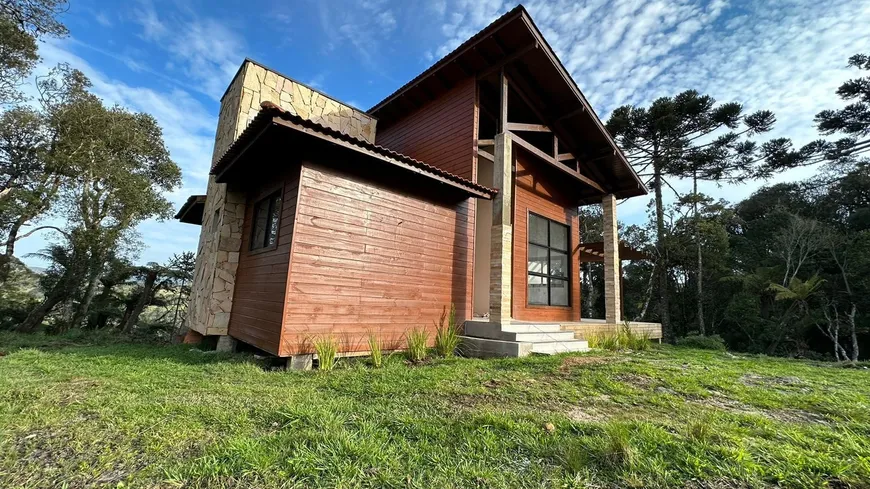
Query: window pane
[[538, 259], [537, 290], [261, 216], [558, 236], [273, 220], [537, 230], [558, 292], [558, 264]]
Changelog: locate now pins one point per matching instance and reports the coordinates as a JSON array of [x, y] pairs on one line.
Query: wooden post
[[612, 292], [502, 102]]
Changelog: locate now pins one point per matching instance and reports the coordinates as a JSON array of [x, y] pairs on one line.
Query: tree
[[22, 23], [854, 119], [117, 168], [798, 292], [667, 140]]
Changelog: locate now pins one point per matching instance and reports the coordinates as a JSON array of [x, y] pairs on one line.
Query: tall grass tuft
[[446, 335], [377, 354], [327, 349], [417, 339], [624, 339], [617, 451]]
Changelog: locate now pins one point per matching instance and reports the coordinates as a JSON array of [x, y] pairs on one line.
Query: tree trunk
[[84, 306], [648, 296], [664, 302], [143, 300], [700, 271], [854, 332], [57, 295], [6, 258]]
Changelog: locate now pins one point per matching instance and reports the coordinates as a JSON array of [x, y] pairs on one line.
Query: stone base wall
[[221, 234]]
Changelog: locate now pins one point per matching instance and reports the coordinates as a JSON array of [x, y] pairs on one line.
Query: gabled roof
[[192, 210], [514, 43], [272, 117]]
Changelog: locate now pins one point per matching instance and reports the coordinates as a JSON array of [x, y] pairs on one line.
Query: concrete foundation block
[[300, 362], [488, 348], [226, 343]]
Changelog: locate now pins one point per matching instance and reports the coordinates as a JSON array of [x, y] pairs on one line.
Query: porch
[[483, 338]]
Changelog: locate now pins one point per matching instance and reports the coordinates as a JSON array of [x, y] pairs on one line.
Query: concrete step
[[553, 347], [532, 328], [494, 331], [485, 347]]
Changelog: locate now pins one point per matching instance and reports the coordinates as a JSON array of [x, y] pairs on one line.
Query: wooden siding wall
[[441, 133], [536, 191], [261, 280], [371, 259]]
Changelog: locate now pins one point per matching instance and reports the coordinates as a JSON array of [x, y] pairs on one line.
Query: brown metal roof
[[515, 42], [191, 211], [271, 115]]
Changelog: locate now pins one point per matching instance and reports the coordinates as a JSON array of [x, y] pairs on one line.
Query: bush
[[417, 339], [447, 335], [326, 348], [713, 342], [376, 353]]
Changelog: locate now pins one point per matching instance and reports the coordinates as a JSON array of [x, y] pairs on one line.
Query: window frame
[[568, 278], [272, 197]]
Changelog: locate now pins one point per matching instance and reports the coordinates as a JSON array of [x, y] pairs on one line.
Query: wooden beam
[[507, 60], [502, 102], [486, 142], [552, 161], [521, 126], [570, 114], [565, 157], [487, 155], [555, 146]]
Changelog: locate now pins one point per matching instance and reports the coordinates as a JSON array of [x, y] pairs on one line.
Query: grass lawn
[[74, 414]]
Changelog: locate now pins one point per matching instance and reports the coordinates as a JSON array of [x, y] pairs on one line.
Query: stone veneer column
[[612, 292], [220, 239], [501, 237]]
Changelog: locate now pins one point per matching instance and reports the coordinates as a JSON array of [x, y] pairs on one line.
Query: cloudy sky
[[174, 59]]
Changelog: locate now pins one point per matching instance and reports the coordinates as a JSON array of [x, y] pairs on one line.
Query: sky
[[174, 59]]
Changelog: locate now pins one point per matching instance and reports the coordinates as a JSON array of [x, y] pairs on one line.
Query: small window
[[549, 264], [265, 224]]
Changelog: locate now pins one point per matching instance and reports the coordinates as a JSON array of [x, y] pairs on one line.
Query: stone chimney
[[220, 236]]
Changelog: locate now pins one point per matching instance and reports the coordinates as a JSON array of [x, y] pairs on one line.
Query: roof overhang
[[594, 252], [514, 44], [274, 134], [192, 210]]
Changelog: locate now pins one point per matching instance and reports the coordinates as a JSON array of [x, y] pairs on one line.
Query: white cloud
[[208, 52]]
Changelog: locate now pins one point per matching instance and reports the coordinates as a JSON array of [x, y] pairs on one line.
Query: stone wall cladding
[[221, 233]]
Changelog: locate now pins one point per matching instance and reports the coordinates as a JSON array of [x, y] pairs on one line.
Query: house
[[461, 187]]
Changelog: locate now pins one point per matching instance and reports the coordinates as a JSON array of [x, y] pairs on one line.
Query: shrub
[[417, 339], [326, 348], [377, 354], [447, 335], [713, 342]]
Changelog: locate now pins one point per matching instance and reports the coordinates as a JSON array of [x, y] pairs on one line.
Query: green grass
[[96, 415]]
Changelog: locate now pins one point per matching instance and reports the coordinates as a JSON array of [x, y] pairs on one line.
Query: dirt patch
[[780, 383], [796, 416], [639, 381], [587, 414], [781, 415], [570, 362]]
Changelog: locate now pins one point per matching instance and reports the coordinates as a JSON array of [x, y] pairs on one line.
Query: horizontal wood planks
[[535, 191], [441, 133], [261, 281], [367, 259]]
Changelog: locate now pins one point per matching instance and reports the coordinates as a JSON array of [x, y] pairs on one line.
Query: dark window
[[265, 225], [549, 265]]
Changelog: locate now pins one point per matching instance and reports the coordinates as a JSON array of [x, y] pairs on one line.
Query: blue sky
[[173, 59]]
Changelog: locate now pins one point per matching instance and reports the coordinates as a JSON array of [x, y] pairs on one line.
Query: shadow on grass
[[121, 347]]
